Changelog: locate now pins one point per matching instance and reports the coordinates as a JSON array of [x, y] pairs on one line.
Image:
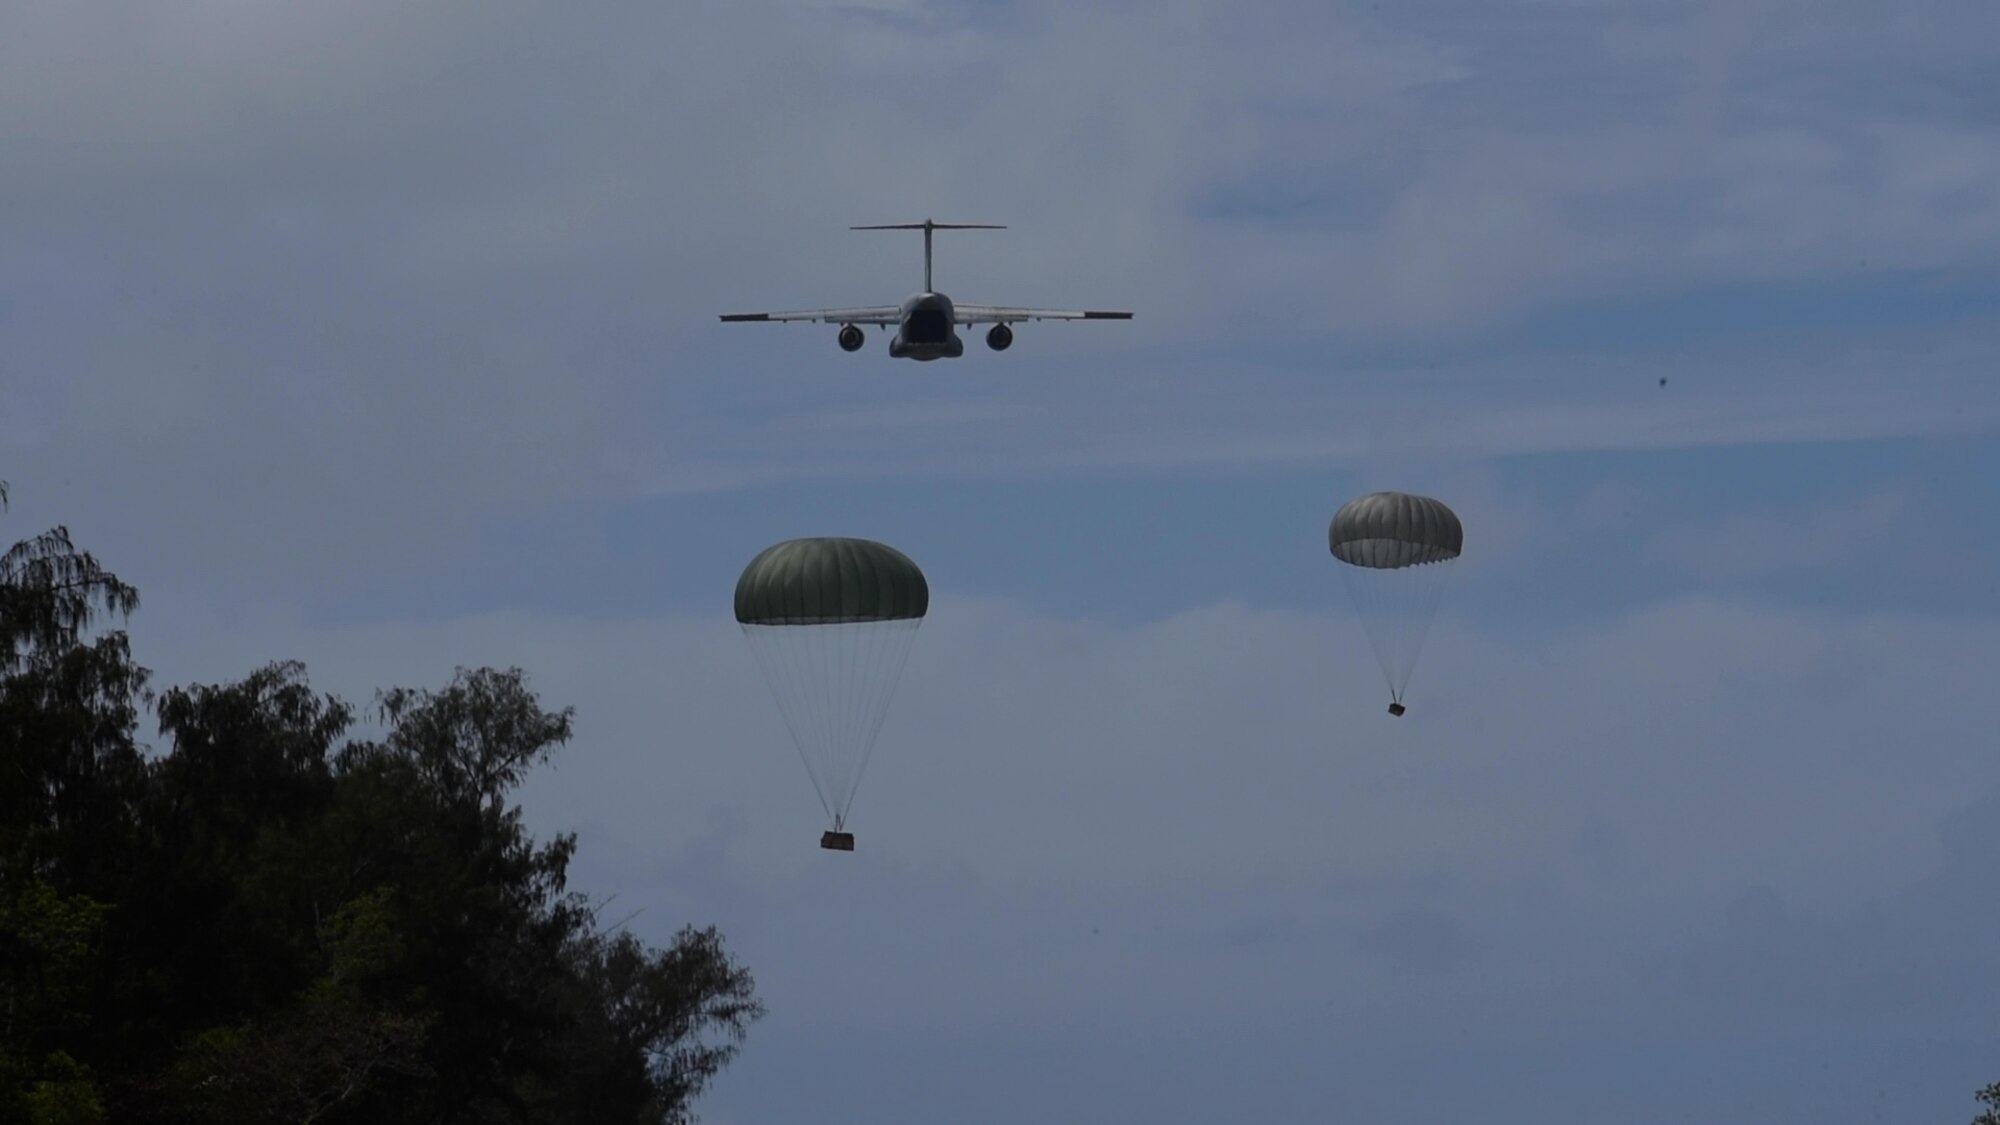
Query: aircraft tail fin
[[927, 226]]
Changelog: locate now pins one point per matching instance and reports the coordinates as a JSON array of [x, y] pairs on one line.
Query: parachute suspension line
[[819, 699], [835, 683], [863, 658], [856, 667], [826, 639], [807, 700], [787, 685], [823, 698], [1396, 608], [778, 672], [840, 648], [1366, 591], [831, 621], [1430, 596], [893, 654]]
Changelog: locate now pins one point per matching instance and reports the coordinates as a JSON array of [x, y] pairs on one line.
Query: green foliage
[[274, 921], [1990, 1098], [48, 941], [50, 593], [48, 945], [63, 1094]]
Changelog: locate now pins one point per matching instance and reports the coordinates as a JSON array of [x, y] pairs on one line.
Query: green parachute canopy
[[1397, 549], [830, 621], [830, 582]]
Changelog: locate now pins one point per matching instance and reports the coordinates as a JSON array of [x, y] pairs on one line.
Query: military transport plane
[[926, 323]]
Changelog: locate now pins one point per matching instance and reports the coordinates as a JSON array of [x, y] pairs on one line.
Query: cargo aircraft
[[926, 323]]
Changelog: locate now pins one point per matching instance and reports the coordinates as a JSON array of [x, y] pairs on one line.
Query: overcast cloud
[[383, 337]]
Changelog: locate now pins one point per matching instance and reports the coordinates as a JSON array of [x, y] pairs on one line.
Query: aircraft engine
[[850, 338], [1000, 337]]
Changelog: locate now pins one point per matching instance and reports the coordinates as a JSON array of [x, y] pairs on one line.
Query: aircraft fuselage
[[927, 329], [926, 322]]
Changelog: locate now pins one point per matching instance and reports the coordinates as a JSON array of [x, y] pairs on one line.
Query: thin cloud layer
[[363, 307], [1703, 814], [1225, 745], [363, 280]]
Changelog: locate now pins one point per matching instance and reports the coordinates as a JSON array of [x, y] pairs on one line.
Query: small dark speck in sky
[[1663, 380]]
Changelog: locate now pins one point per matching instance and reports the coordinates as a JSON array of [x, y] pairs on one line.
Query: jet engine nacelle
[[850, 338], [1000, 337]]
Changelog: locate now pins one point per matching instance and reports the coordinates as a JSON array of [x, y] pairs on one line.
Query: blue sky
[[384, 338]]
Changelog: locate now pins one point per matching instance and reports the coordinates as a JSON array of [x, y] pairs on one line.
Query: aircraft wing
[[886, 316], [1005, 314]]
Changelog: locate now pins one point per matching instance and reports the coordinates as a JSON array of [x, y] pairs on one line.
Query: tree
[[67, 765], [47, 948], [1990, 1098], [271, 920]]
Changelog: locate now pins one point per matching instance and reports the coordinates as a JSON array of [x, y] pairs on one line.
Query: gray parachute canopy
[[1392, 530], [830, 582]]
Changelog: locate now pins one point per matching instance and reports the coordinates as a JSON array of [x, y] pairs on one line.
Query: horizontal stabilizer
[[928, 225]]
